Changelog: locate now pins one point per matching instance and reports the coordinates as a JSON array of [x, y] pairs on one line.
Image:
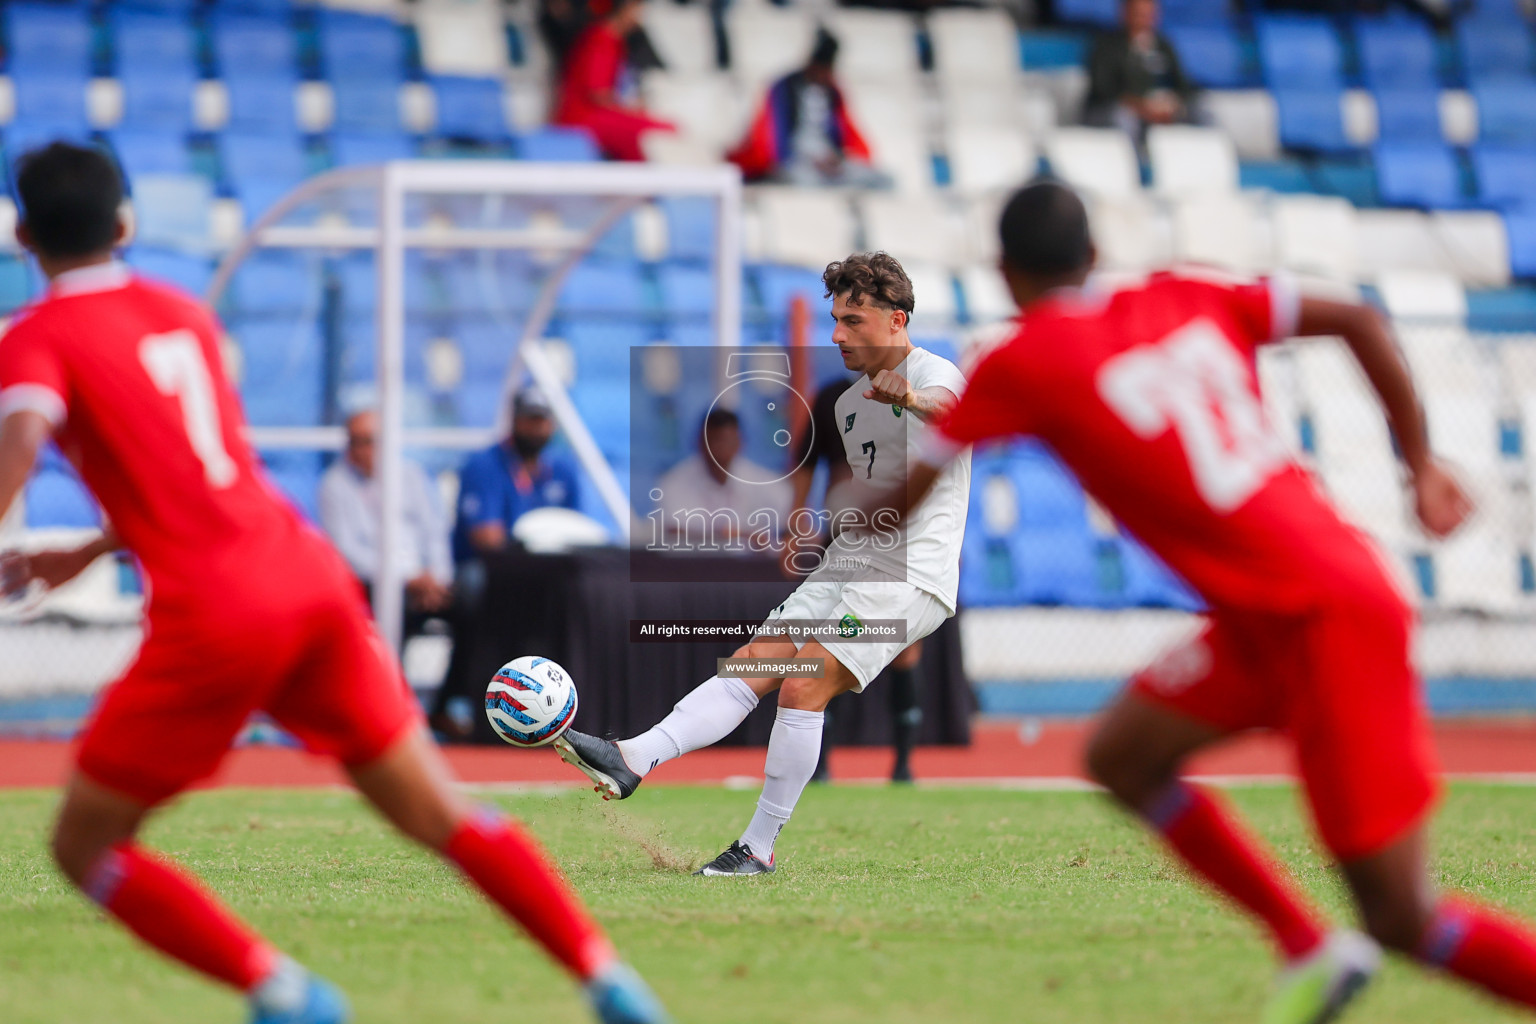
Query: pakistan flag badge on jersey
[[848, 422], [897, 410]]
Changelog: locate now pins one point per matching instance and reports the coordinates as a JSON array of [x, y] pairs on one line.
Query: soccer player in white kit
[[866, 577]]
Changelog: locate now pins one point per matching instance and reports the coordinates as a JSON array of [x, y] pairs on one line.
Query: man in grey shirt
[[350, 514]]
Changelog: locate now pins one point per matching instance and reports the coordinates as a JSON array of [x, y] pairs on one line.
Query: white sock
[[702, 718], [793, 748], [283, 990]]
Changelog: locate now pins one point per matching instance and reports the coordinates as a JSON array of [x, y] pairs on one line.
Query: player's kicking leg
[[1136, 754], [412, 786], [94, 845]]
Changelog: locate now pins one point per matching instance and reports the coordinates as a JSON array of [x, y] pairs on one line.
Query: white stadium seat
[[1422, 295], [679, 150], [1370, 493], [1222, 230], [913, 227], [682, 35], [1478, 566], [1348, 425], [1131, 233], [989, 159], [893, 124], [801, 226], [1476, 245], [1250, 119], [1458, 117], [875, 45], [1397, 240], [933, 288], [709, 109], [767, 42], [986, 295], [1099, 161], [1358, 109], [1315, 235], [1280, 389], [981, 216], [978, 45], [1189, 161], [467, 37], [971, 104]]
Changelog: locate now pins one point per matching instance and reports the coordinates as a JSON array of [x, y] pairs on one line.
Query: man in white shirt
[[718, 498], [875, 592], [350, 515]]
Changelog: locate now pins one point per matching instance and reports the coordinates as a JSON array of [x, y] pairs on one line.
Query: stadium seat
[[470, 108], [934, 286], [366, 106], [986, 295], [16, 283], [1300, 52], [250, 157], [1058, 567], [988, 158], [875, 45], [48, 39], [686, 289], [275, 281], [152, 43], [1506, 175], [690, 227], [1521, 229], [251, 46], [1221, 230], [974, 45], [360, 46], [1148, 583], [1312, 119], [173, 210], [1250, 119], [162, 102], [1396, 53], [1422, 295], [1131, 232], [1199, 12], [1211, 55], [190, 273], [1506, 111], [894, 128], [350, 150], [1397, 240], [1475, 244], [1408, 115], [51, 98], [683, 36], [281, 382], [802, 225], [142, 152], [1491, 52], [56, 498], [1098, 13], [602, 348], [463, 38], [261, 104], [604, 408], [778, 286], [606, 287], [767, 42], [1422, 174], [555, 143], [1315, 235], [1099, 161], [1191, 161], [913, 228], [709, 108]]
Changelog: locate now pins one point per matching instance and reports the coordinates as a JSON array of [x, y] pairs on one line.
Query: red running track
[[1045, 753]]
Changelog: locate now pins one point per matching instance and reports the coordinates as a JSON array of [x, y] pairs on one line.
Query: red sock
[[168, 909], [508, 866], [1483, 946], [1211, 842]]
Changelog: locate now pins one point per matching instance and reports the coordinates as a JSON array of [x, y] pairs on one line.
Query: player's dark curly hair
[[873, 274], [69, 198]]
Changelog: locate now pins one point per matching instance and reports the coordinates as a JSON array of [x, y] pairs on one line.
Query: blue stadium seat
[[24, 136], [1058, 567], [261, 103], [167, 6], [16, 282], [159, 101], [604, 406], [778, 285], [52, 97], [51, 39], [470, 108], [1396, 53], [297, 476], [146, 152], [555, 143], [1506, 111], [1521, 228], [686, 289], [367, 106], [1211, 55], [603, 287], [1150, 583], [173, 210], [690, 227], [1408, 115], [349, 150], [1492, 51], [1312, 120], [1103, 13], [1506, 175], [271, 160], [1048, 495], [281, 381], [1506, 13], [251, 46], [487, 344], [1421, 174], [191, 274], [603, 347], [1197, 12], [56, 498], [484, 284], [1300, 52], [360, 46], [153, 43], [275, 281]]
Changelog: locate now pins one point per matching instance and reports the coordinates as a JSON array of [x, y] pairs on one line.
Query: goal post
[[400, 196]]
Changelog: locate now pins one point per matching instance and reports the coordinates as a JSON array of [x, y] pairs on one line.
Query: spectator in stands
[[597, 88], [717, 497], [804, 135], [561, 23], [350, 514], [511, 477], [1134, 76]]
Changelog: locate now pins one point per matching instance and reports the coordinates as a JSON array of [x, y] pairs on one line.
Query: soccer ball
[[530, 702]]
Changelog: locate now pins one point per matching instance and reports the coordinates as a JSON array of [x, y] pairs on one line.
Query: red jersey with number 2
[[1151, 396], [130, 373]]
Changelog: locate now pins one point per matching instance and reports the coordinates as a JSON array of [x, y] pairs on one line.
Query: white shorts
[[867, 601]]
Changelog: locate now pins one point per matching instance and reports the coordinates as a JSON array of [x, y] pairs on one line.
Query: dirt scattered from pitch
[[663, 857]]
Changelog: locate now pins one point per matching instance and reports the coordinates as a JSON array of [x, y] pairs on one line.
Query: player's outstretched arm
[[928, 404], [1440, 501]]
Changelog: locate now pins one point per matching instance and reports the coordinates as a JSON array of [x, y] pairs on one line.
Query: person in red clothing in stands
[[803, 133], [598, 85]]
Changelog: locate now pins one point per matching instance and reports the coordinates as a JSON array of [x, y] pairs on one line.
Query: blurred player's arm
[[22, 436], [1440, 501], [928, 404]]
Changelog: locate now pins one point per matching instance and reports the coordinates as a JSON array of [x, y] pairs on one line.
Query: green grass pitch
[[892, 905]]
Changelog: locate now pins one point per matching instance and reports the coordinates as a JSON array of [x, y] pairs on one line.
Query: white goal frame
[[620, 187]]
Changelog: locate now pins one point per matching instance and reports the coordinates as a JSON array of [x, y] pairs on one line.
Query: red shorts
[[1340, 682], [306, 653]]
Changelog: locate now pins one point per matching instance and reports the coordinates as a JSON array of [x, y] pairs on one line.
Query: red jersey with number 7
[[1151, 396], [129, 372]]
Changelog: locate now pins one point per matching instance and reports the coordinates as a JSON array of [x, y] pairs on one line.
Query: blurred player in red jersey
[[249, 610], [1151, 395]]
